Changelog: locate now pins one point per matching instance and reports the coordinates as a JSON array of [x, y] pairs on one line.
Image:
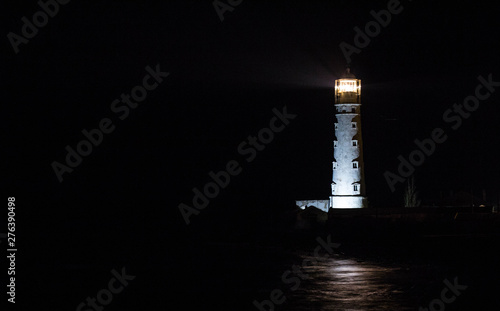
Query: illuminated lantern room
[[348, 89]]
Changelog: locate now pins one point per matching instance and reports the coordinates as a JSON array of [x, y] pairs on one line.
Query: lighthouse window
[[354, 164], [354, 143], [355, 187], [334, 165], [353, 109], [353, 124], [335, 143], [336, 125]]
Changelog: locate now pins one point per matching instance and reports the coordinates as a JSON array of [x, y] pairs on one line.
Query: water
[[346, 284], [231, 276], [393, 279], [352, 282]]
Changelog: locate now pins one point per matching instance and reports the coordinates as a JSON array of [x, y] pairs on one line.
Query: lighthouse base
[[348, 201]]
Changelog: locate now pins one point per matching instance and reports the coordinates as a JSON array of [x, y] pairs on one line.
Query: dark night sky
[[225, 79]]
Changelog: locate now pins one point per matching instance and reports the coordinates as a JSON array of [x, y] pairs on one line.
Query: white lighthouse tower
[[348, 180]]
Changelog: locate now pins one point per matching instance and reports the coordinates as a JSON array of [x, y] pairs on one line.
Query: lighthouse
[[348, 180]]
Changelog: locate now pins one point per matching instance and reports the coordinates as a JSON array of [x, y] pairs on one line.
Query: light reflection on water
[[346, 284]]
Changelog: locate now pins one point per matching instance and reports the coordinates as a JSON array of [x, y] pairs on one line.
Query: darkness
[[225, 80]]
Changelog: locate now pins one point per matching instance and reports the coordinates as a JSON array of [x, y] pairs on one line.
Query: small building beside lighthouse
[[348, 178]]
